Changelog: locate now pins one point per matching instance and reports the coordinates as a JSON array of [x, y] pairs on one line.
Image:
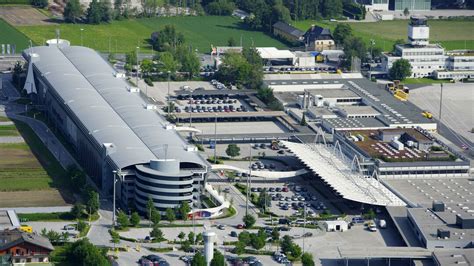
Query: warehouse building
[[114, 132]]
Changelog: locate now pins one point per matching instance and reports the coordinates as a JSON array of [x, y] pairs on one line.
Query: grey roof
[[344, 123], [288, 29], [106, 109], [317, 33], [452, 257], [334, 93]]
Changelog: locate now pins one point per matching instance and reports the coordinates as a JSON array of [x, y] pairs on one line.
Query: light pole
[[113, 200], [248, 181], [82, 43], [440, 106], [215, 139], [138, 48], [169, 103]]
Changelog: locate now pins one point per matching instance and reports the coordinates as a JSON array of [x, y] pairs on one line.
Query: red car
[[285, 189], [240, 226]]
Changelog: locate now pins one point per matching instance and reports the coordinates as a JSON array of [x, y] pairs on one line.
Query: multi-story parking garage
[[113, 132]]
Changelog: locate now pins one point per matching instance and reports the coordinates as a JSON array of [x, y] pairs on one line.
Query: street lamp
[[169, 103], [113, 199], [138, 48], [82, 43], [215, 139]]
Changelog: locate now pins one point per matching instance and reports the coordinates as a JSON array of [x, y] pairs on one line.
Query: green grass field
[[29, 169], [126, 35], [8, 130], [451, 34], [9, 34]]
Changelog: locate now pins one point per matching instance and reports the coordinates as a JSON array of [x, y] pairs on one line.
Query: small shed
[[338, 225]]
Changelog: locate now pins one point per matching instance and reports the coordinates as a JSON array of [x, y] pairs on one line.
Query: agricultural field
[[126, 35], [29, 174], [8, 130], [451, 34], [10, 35]]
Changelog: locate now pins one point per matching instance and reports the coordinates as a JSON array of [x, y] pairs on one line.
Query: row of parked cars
[[212, 100], [283, 69], [214, 109], [152, 260]]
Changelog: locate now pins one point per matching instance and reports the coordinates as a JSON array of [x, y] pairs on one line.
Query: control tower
[[418, 31]]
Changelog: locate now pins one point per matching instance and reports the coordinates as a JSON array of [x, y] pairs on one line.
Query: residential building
[[287, 32], [20, 248], [319, 39], [115, 135]]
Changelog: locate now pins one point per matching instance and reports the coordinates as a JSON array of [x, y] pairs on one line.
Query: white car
[[372, 227]]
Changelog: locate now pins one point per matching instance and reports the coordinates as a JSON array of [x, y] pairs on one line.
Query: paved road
[[11, 139], [40, 209]]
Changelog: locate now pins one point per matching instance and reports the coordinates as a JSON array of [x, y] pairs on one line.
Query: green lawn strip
[[10, 35], [4, 119], [53, 216], [44, 156], [423, 81], [126, 35], [8, 130]]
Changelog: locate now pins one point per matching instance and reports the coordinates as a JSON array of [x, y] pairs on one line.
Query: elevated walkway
[[260, 173]]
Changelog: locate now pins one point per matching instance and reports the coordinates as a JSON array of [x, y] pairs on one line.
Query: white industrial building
[[336, 226], [429, 60]]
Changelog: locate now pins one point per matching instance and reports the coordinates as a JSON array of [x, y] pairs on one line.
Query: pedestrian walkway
[[10, 139], [39, 209]]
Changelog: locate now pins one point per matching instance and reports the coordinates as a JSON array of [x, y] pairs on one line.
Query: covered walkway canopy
[[337, 173]]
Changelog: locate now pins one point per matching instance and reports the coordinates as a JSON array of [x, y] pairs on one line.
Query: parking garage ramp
[[337, 172]]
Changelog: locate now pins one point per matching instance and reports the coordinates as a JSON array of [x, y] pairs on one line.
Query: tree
[[406, 12], [72, 11], [155, 217], [332, 8], [146, 66], [275, 234], [18, 69], [81, 226], [303, 120], [135, 219], [397, 42], [170, 215], [264, 200], [94, 12], [249, 221], [156, 233], [400, 70], [258, 240], [198, 260], [199, 238], [218, 259], [106, 10], [184, 209], [191, 237], [39, 3], [93, 202], [369, 215], [77, 210], [342, 32], [231, 42], [166, 39], [307, 259], [189, 60], [82, 252], [286, 244], [245, 238], [239, 248], [220, 8], [115, 236], [168, 63], [186, 246], [232, 150], [122, 219], [181, 236], [131, 58], [150, 206]]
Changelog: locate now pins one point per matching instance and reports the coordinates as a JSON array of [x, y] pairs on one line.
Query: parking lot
[[211, 104], [291, 198]]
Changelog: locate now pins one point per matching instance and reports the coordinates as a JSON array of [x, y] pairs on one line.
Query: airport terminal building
[[113, 132]]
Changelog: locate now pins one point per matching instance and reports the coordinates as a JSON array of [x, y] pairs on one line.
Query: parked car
[[240, 226], [233, 234]]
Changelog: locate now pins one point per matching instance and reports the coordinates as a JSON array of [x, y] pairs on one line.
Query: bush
[[149, 81]]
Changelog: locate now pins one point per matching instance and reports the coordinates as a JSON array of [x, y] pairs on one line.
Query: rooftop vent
[[443, 234], [438, 206]]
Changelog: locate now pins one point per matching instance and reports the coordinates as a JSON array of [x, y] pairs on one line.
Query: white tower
[[418, 31], [209, 238]]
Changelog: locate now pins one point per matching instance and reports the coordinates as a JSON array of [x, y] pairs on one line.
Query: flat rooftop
[[453, 257], [393, 112], [334, 93], [358, 110], [341, 123], [376, 148]]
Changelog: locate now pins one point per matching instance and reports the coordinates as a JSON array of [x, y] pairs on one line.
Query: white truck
[[382, 224]]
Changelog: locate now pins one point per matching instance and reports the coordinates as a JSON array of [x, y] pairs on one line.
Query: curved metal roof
[[106, 109]]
